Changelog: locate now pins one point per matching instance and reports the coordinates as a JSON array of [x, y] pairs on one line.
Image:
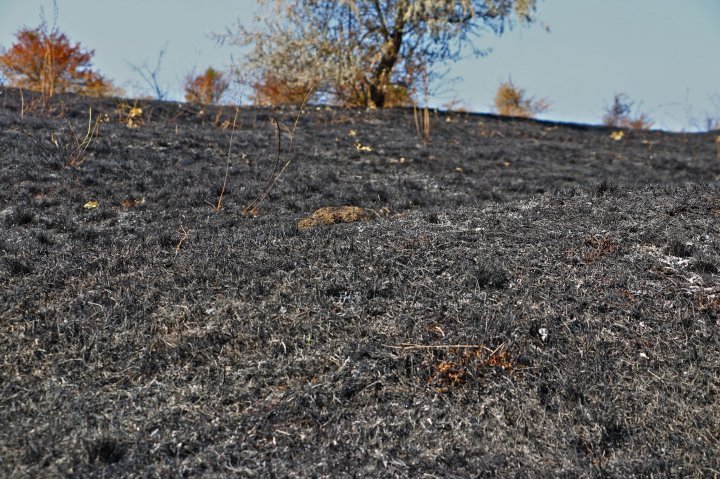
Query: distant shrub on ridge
[[620, 115], [273, 90], [513, 101], [206, 88], [46, 61]]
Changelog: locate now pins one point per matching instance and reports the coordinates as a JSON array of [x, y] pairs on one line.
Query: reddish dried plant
[[207, 88], [600, 247], [461, 364], [46, 61], [272, 90]]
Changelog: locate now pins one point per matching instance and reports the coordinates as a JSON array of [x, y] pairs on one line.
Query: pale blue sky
[[662, 53]]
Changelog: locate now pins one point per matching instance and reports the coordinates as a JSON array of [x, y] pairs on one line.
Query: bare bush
[[620, 115]]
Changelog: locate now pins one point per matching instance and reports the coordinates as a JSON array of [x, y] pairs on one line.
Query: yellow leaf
[[360, 147], [90, 205], [617, 135]]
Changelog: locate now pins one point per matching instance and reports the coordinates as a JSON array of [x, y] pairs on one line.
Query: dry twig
[[253, 208]]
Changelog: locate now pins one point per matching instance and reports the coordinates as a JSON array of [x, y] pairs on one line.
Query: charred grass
[[543, 300]]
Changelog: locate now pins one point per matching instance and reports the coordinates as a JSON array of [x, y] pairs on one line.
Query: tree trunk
[[381, 76], [377, 96]]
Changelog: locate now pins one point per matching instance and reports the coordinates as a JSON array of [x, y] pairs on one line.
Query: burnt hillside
[[516, 298]]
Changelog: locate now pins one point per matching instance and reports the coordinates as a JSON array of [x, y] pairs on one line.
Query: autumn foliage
[[47, 62], [207, 88], [272, 90]]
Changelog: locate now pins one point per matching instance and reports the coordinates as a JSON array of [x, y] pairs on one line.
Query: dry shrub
[[357, 94], [207, 88], [44, 60], [457, 105], [272, 90], [74, 148], [513, 101], [641, 122], [620, 115], [68, 147]]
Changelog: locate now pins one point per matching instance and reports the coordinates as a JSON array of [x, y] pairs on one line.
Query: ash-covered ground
[[526, 299]]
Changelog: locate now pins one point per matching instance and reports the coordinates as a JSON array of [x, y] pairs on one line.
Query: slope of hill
[[523, 298]]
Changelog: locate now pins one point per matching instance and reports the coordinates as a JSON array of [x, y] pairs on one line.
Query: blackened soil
[[540, 301]]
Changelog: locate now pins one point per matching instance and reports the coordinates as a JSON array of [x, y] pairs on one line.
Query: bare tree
[[151, 76], [360, 52]]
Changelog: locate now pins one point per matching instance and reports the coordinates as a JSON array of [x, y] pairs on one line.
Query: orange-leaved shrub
[[513, 101], [206, 88], [46, 61], [272, 90]]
